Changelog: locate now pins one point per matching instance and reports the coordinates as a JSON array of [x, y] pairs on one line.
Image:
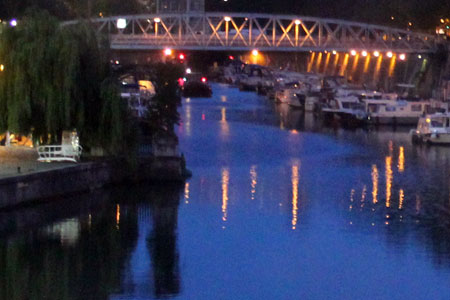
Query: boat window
[[390, 108], [345, 104], [416, 107], [373, 108], [437, 122]]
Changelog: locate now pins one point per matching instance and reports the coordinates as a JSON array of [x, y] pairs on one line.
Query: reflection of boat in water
[[433, 129], [296, 119]]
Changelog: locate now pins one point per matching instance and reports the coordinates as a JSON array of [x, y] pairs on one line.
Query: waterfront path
[[13, 157]]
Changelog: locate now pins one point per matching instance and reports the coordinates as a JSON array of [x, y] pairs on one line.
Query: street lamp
[[121, 23], [168, 52]]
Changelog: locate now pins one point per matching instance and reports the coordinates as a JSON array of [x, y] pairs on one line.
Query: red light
[[203, 79], [180, 81], [231, 57], [181, 56]]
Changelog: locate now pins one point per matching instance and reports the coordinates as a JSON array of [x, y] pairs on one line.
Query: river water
[[279, 207]]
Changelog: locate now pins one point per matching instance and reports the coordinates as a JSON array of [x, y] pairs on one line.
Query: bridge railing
[[221, 31]]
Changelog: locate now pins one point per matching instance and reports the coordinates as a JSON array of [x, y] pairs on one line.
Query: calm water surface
[[279, 207]]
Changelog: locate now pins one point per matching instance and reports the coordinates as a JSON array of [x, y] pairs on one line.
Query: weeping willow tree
[[57, 78]]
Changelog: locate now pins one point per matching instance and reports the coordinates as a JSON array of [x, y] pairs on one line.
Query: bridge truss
[[238, 31]]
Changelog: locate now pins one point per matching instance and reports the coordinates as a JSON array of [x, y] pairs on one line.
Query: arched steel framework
[[238, 31]]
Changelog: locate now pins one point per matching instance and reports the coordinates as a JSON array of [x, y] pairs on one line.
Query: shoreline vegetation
[[58, 78]]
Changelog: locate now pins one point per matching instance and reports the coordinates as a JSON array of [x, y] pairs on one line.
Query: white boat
[[395, 112], [292, 93], [346, 109], [256, 77], [432, 129]]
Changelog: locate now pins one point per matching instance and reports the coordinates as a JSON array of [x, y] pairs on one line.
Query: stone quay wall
[[83, 177]]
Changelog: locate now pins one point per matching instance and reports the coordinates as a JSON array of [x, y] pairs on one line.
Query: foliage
[[53, 82], [163, 114]]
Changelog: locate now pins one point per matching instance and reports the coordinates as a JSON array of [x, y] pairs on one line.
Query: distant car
[[196, 85]]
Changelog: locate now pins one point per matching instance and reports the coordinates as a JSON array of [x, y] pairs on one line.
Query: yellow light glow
[[327, 61], [294, 180], [255, 52], [428, 120], [355, 64], [225, 182], [334, 52], [374, 184], [297, 22], [117, 215], [363, 195], [376, 53], [311, 62], [401, 159], [227, 19], [186, 192], [389, 54], [442, 21], [2, 68], [364, 53], [366, 64], [344, 65], [353, 52], [224, 126], [254, 181], [388, 175], [401, 197], [319, 61], [392, 66], [378, 67], [335, 64], [168, 52]]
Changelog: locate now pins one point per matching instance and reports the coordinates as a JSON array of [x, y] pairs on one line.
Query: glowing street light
[[364, 53], [188, 71], [228, 19], [157, 20], [121, 23], [255, 52], [402, 56], [13, 23], [376, 53], [389, 54], [2, 68], [297, 22], [334, 52], [353, 52], [168, 52]]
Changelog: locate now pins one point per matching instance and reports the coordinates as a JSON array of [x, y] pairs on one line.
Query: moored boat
[[432, 129]]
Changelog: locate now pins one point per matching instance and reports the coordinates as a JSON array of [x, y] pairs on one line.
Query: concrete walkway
[[13, 157]]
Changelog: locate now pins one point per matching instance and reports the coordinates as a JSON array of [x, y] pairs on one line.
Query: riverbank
[[24, 180]]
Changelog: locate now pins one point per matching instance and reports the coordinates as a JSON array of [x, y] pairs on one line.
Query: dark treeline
[[422, 14]]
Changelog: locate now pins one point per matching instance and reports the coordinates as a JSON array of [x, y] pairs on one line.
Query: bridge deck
[[235, 31]]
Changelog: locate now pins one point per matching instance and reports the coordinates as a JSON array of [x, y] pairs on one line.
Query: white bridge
[[238, 31]]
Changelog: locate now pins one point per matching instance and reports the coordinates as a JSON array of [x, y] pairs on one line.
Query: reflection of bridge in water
[[238, 31]]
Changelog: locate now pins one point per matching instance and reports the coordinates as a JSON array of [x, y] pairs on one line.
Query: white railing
[[238, 31], [59, 153]]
